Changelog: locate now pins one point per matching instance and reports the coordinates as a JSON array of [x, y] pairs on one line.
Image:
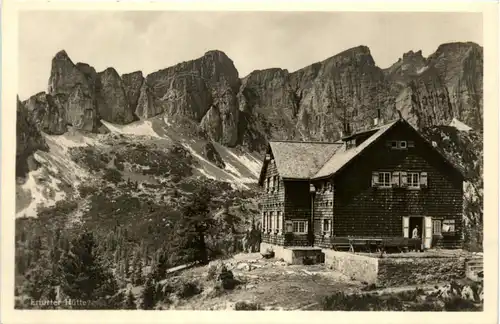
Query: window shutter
[[404, 179], [427, 232], [423, 179], [406, 226], [395, 179], [374, 179]]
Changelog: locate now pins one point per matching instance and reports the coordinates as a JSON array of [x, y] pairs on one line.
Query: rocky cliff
[[28, 141], [312, 103]]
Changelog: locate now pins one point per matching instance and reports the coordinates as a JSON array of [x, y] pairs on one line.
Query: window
[[436, 226], [448, 226], [413, 180], [270, 222], [326, 226], [398, 145], [277, 183], [300, 227], [395, 179], [264, 222], [328, 186], [384, 179], [268, 184], [279, 221]]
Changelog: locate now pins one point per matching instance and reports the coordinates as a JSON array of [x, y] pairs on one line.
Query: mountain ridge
[[209, 90]]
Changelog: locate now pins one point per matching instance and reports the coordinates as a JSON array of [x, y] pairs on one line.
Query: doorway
[[414, 222]]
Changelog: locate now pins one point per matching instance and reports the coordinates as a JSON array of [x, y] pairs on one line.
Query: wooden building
[[379, 183]]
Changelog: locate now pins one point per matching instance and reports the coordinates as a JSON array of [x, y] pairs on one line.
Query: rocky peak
[[413, 55], [61, 56], [355, 56], [456, 47], [113, 102]]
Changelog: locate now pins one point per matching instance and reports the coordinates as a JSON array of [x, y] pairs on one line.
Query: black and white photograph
[[250, 161]]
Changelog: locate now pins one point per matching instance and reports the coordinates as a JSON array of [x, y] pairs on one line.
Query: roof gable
[[316, 160], [344, 156]]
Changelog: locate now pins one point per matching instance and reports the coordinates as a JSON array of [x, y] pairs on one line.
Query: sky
[[152, 40]]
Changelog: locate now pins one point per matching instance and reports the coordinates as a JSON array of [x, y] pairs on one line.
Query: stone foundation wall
[[412, 271], [279, 252], [292, 256], [358, 267]]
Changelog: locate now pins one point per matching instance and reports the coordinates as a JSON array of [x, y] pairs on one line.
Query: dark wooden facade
[[350, 205]]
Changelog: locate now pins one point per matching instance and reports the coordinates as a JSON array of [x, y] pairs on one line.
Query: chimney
[[347, 129], [377, 120]]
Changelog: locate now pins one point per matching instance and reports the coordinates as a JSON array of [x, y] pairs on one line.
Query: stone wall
[[294, 255], [279, 252], [410, 271], [355, 266]]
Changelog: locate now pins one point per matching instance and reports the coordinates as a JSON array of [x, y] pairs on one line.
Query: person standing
[[415, 233]]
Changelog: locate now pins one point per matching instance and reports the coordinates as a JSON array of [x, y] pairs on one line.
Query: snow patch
[[139, 128], [210, 170], [460, 125], [41, 192], [205, 173], [66, 141], [250, 162], [422, 70], [165, 119]]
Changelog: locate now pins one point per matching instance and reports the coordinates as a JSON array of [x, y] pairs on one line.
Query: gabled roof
[[343, 155], [315, 160], [301, 160]]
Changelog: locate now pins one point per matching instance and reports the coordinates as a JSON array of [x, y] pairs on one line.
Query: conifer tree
[[82, 275], [193, 227], [130, 302], [148, 295]]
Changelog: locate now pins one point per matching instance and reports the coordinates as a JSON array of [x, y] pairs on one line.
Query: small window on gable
[[398, 145], [411, 144]]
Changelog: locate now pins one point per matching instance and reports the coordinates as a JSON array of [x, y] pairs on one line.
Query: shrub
[[459, 304], [426, 306], [247, 306], [341, 301], [85, 190], [112, 175], [188, 289]]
